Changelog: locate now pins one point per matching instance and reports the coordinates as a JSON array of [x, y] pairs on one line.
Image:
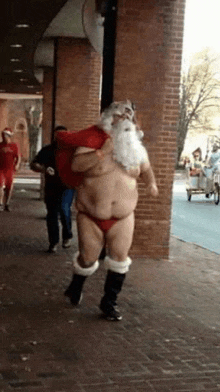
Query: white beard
[[116, 108], [128, 149], [106, 123]]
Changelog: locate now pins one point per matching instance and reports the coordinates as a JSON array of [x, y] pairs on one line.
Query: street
[[197, 221]]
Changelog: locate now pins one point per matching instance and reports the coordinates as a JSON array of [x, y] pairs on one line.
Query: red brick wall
[[3, 114], [12, 115], [78, 84], [17, 122], [147, 71]]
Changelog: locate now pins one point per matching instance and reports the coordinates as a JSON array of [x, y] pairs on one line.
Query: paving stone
[[8, 375], [25, 384]]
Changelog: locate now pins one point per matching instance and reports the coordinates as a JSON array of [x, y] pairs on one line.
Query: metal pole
[[110, 13]]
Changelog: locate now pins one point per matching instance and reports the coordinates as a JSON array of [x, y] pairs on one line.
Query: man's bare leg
[[1, 197], [119, 240], [85, 262], [1, 194], [91, 240], [7, 196]]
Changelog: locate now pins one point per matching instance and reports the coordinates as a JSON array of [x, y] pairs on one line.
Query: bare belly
[[111, 195]]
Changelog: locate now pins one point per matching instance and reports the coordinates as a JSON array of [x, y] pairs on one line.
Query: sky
[[202, 27], [202, 30]]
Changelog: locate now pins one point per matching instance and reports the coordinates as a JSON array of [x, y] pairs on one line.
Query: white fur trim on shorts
[[117, 266], [84, 271]]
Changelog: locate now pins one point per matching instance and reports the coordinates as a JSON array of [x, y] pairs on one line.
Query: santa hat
[[7, 131]]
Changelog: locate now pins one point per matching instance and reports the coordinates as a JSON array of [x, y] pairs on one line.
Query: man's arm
[[37, 167], [17, 158], [148, 177], [40, 168], [41, 164], [86, 158], [38, 163], [17, 161]]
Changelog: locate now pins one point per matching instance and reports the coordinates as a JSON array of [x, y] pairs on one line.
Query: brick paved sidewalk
[[168, 340]]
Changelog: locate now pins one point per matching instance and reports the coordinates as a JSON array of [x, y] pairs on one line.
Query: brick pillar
[[147, 71], [3, 114], [78, 72], [47, 90], [47, 120]]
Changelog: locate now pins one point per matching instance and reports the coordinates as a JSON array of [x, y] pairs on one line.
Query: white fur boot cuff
[[117, 266], [84, 271]]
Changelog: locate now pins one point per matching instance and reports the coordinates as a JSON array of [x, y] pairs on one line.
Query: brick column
[[47, 121], [47, 90], [147, 71], [78, 74], [3, 114]]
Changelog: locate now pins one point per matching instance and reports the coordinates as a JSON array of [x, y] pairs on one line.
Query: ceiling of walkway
[[27, 32]]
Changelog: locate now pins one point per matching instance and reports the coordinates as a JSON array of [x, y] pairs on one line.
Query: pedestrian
[[9, 164], [214, 158], [212, 165], [58, 198], [106, 199]]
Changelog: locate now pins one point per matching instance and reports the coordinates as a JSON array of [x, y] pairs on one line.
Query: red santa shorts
[[6, 178]]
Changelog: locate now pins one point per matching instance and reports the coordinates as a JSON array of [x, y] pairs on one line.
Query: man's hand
[[153, 190], [49, 170], [107, 146]]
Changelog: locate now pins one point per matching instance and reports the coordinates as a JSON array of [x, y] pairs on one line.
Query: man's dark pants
[[59, 206]]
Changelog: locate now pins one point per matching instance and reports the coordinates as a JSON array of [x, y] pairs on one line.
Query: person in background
[[212, 165], [186, 162], [214, 159], [58, 198], [196, 165], [9, 163]]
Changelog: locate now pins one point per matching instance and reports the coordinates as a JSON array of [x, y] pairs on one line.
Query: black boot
[[74, 291], [112, 288]]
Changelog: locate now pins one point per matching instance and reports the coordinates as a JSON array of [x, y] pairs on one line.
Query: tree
[[199, 97]]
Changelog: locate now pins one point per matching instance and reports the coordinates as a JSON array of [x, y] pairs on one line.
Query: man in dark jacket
[[58, 198]]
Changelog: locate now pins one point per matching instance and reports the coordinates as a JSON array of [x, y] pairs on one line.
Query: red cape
[[67, 142]]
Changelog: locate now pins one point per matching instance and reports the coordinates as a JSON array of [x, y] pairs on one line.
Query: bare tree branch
[[199, 97]]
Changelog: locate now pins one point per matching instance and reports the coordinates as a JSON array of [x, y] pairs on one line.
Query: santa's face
[[118, 120], [128, 148], [115, 112]]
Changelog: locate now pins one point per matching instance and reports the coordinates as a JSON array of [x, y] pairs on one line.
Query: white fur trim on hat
[[7, 132], [84, 271], [117, 266]]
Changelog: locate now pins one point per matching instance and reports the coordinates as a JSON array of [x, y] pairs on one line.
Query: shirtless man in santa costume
[[106, 200]]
